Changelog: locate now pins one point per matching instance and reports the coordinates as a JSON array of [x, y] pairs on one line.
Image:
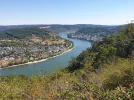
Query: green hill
[[100, 30], [24, 32]]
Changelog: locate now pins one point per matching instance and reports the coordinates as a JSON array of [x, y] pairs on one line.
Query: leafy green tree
[[74, 65]]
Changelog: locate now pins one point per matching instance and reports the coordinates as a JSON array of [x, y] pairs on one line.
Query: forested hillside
[[102, 30], [111, 48], [103, 72], [24, 33]]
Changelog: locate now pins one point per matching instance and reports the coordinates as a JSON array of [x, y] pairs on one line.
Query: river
[[51, 65]]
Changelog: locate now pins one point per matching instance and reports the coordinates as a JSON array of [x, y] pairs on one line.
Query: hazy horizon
[[60, 24]]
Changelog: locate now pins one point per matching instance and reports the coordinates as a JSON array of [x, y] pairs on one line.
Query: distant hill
[[98, 30], [56, 28]]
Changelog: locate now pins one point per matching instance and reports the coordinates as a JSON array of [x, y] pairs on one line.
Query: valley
[[66, 50]]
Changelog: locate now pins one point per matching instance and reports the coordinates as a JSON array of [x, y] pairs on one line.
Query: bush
[[119, 73]]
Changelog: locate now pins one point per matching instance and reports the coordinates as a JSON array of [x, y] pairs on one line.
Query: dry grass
[[47, 41]]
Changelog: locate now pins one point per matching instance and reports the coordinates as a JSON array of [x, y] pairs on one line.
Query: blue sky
[[105, 12]]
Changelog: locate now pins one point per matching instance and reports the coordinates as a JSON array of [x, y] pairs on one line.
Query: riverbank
[[33, 62]]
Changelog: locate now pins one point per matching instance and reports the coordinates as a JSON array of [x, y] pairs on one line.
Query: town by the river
[[50, 65]]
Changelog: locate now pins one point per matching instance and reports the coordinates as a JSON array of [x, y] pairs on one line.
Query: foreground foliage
[[116, 82]]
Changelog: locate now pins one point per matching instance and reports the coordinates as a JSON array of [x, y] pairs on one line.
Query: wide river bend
[[50, 65]]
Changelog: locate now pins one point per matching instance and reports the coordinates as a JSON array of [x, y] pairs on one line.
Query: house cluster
[[86, 37], [10, 53]]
